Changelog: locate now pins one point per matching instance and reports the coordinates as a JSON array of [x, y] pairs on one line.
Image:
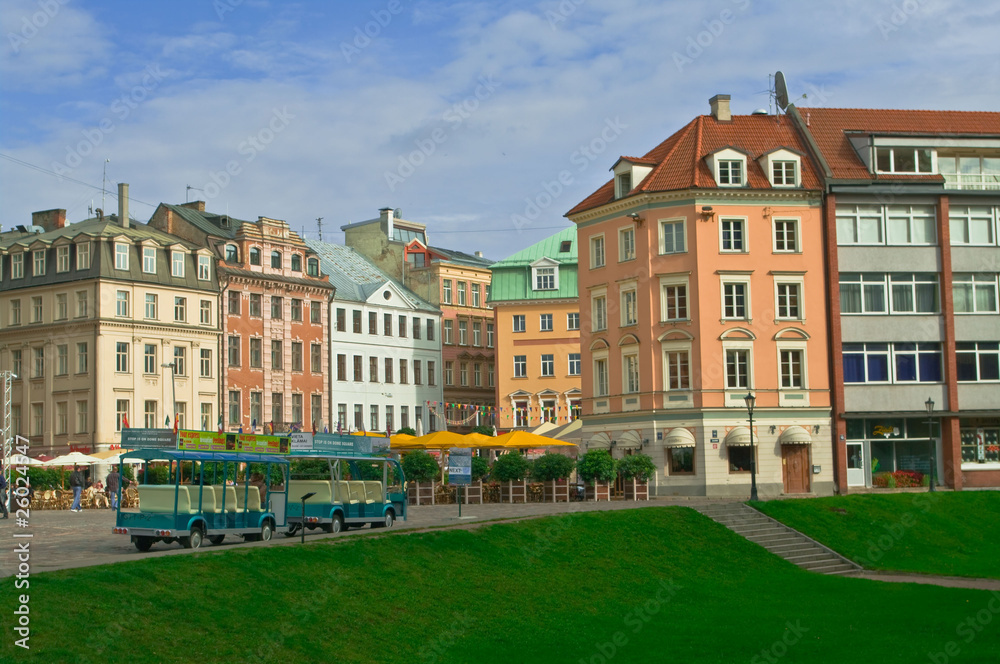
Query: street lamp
[[930, 434], [173, 384], [750, 399]]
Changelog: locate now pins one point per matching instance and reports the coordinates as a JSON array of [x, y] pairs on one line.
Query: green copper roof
[[512, 276]]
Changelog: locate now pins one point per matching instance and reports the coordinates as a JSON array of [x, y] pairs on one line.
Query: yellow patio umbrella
[[519, 439], [438, 440], [476, 439], [401, 441]]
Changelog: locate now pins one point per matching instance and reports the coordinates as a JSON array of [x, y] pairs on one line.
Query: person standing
[[76, 483], [113, 481], [4, 493]]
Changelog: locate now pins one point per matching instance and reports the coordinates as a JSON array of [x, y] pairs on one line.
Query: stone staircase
[[778, 538]]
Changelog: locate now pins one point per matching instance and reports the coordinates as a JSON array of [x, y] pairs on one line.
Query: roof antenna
[[780, 94], [104, 182], [188, 189], [319, 226]]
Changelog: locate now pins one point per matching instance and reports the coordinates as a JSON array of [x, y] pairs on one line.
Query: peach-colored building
[[701, 280]]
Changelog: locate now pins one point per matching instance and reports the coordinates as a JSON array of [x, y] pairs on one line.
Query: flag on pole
[[166, 422], [221, 426], [125, 424], [177, 422]]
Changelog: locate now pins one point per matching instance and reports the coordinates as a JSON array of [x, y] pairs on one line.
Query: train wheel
[[266, 532], [216, 539], [193, 541], [338, 524], [143, 543]]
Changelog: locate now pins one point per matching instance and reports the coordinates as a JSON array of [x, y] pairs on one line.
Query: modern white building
[[385, 347]]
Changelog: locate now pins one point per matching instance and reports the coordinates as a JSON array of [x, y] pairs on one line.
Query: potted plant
[[511, 468], [552, 469], [597, 469], [636, 470], [421, 470]]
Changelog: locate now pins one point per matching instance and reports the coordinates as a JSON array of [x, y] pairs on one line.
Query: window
[[737, 368], [389, 418], [296, 264], [431, 373], [232, 254], [975, 293], [791, 369], [733, 235], [739, 457], [83, 256], [312, 267], [233, 350], [680, 460], [359, 422], [914, 293], [277, 308], [38, 257], [675, 302], [788, 301], [38, 419], [150, 419], [461, 293], [402, 326], [672, 236], [316, 358], [917, 362], [256, 353], [233, 307], [296, 356], [81, 304], [404, 417], [902, 160], [358, 374], [520, 413], [277, 407], [177, 264], [892, 363], [17, 266], [548, 365], [62, 360], [256, 305], [572, 323], [418, 375], [520, 366], [341, 320], [626, 244], [254, 255], [730, 173], [149, 260], [519, 323], [121, 256], [235, 411], [81, 417], [62, 259], [449, 378], [374, 418], [545, 278], [36, 309], [256, 408], [623, 184], [545, 322], [389, 372], [859, 224], [978, 361], [152, 306], [786, 235], [449, 327], [205, 312], [980, 445], [630, 307], [205, 370], [678, 374], [783, 173], [81, 358], [463, 374], [489, 375], [204, 268], [121, 413], [372, 322], [149, 363], [574, 364], [475, 295], [416, 327], [356, 321], [276, 260], [477, 334], [373, 369], [597, 251], [862, 293], [180, 359], [15, 312], [910, 224], [121, 357], [403, 375], [972, 224], [297, 408], [180, 309], [430, 329], [969, 172], [630, 379], [446, 291], [277, 355], [734, 301], [315, 311], [601, 377], [121, 303], [341, 417], [341, 367], [599, 305]]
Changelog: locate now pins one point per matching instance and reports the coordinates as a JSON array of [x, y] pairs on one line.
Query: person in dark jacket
[[4, 494], [76, 483], [112, 482]]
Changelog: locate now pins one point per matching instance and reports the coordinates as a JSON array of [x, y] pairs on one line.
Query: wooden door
[[795, 468]]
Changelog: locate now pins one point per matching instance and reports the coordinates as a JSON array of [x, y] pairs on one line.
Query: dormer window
[[231, 253], [730, 173], [629, 172], [783, 173], [783, 167], [296, 262], [623, 184], [903, 160], [544, 275], [312, 267], [565, 246]]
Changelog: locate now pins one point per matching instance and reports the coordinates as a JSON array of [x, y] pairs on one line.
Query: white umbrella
[[21, 460], [73, 458]]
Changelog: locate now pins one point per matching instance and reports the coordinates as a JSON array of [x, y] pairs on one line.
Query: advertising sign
[[460, 466], [209, 441], [149, 438], [301, 441]]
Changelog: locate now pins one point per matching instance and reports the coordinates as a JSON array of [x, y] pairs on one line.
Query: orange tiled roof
[[830, 127], [679, 161]]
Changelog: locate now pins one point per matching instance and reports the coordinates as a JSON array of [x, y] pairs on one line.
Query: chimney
[[195, 205], [479, 254], [720, 108], [50, 220], [385, 215], [123, 204]]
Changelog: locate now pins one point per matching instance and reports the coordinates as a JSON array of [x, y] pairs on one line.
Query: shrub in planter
[[410, 431], [419, 466], [480, 468], [596, 466], [510, 467], [552, 466], [483, 429], [636, 466]]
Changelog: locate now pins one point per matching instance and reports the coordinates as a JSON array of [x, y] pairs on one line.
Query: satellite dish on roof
[[780, 91], [397, 213]]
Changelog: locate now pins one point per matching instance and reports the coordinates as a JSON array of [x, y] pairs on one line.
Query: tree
[[510, 467], [410, 431], [637, 466], [596, 466], [552, 466], [483, 429], [419, 466], [480, 468]]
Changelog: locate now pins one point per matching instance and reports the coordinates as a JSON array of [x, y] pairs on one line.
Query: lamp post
[[750, 399], [930, 434], [173, 385]]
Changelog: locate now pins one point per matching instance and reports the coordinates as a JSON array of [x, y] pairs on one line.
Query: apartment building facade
[[535, 301]]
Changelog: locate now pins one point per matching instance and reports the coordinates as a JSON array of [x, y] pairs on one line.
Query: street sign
[[460, 466]]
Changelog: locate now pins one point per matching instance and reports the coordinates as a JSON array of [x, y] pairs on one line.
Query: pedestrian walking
[[113, 481], [76, 483], [3, 492]]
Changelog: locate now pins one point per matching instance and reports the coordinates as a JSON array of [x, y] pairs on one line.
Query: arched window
[[276, 260], [231, 253], [254, 255], [312, 267], [296, 262]]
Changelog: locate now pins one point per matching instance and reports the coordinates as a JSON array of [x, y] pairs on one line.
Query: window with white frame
[[463, 333], [520, 366], [38, 362], [149, 363], [545, 322], [736, 300], [62, 360], [914, 293], [789, 300], [859, 224], [38, 260], [599, 312], [903, 160], [597, 251], [623, 184], [36, 309], [974, 293], [149, 260], [786, 235], [62, 258], [674, 298], [177, 264], [732, 236], [791, 366], [476, 295], [461, 293], [574, 364], [737, 367], [900, 362], [573, 321], [978, 361], [121, 413], [17, 266], [206, 362], [973, 224], [180, 361], [121, 357], [910, 224], [62, 306], [862, 293], [626, 244], [151, 310], [672, 236], [446, 291], [205, 312], [180, 309], [121, 303], [730, 172], [544, 278], [601, 376], [15, 312], [521, 413], [630, 372], [519, 322], [83, 256], [489, 334], [121, 256], [783, 173], [677, 366], [548, 364], [204, 268], [629, 307], [81, 304]]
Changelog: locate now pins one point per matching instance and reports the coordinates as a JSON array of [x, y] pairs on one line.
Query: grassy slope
[[933, 533], [548, 590]]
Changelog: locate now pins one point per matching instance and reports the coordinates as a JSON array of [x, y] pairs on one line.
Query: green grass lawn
[[950, 533], [654, 584]]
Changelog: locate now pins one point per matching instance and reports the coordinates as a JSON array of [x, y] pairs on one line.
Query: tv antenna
[[188, 189], [104, 181], [319, 227]]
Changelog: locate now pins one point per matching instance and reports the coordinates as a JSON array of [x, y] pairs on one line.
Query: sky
[[486, 121]]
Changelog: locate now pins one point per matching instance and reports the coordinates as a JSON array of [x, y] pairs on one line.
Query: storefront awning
[[738, 437], [679, 437], [795, 435]]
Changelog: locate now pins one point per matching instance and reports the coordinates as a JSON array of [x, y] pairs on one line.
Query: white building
[[385, 347]]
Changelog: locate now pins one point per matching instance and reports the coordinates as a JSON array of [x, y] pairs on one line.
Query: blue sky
[[462, 114]]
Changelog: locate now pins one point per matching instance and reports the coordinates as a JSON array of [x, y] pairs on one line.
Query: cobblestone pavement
[[61, 539]]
